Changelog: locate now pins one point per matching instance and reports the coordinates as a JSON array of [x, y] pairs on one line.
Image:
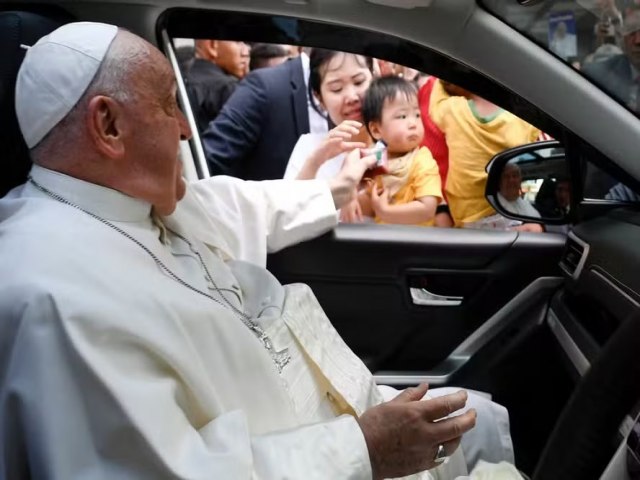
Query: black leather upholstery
[[16, 28]]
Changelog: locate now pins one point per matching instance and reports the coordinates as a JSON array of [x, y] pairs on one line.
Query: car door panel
[[363, 282]]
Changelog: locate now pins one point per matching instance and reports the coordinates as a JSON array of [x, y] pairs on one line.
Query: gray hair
[[113, 79]]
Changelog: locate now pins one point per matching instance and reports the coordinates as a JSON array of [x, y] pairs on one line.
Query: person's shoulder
[[423, 161], [270, 80], [424, 155], [277, 73], [203, 71], [35, 249], [515, 128], [18, 214], [605, 67], [456, 105]]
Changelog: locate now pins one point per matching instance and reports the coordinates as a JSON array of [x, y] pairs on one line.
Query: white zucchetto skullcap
[[56, 72]]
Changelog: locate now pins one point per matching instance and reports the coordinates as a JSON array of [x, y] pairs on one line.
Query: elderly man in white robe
[[141, 335], [509, 197], [509, 192]]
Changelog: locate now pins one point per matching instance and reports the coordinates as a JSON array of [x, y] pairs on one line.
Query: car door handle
[[421, 296]]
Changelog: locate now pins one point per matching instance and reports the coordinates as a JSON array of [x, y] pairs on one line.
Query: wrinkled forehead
[[155, 71], [511, 169]]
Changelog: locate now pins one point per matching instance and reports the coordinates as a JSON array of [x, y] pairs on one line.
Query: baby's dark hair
[[381, 90]]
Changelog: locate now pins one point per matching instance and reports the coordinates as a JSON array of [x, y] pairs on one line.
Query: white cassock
[[519, 206], [110, 368]]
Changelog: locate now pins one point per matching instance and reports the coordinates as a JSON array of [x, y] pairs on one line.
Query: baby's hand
[[338, 141], [379, 200]]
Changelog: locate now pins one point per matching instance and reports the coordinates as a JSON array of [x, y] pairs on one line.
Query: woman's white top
[[305, 146]]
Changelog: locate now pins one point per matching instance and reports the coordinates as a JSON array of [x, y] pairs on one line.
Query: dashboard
[[601, 293]]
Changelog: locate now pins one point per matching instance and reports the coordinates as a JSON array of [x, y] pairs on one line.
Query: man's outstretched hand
[[345, 184], [403, 435]]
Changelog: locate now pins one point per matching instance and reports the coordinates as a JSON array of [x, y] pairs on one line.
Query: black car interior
[[17, 30], [549, 325]]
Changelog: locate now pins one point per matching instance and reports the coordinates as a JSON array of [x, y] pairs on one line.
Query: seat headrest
[[16, 28]]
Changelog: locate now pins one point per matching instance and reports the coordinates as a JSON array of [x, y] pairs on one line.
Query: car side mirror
[[531, 183]]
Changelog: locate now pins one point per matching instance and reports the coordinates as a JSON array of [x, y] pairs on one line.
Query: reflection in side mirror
[[531, 184]]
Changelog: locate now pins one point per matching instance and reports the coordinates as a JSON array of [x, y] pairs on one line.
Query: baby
[[410, 190]]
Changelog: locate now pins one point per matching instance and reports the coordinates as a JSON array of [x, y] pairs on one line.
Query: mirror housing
[[543, 193]]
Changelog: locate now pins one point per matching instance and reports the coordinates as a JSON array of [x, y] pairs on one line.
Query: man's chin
[[165, 209], [181, 188]]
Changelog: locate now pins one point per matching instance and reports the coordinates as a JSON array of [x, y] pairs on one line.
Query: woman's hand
[[338, 141]]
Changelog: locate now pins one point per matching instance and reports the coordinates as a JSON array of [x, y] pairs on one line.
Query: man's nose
[[185, 130]]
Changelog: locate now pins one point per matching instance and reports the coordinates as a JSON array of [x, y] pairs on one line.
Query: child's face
[[400, 126]]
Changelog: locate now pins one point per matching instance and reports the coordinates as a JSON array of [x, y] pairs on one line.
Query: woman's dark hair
[[319, 58], [381, 90]]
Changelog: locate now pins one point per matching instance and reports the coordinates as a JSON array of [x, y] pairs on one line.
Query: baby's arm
[[354, 211], [415, 212], [364, 199]]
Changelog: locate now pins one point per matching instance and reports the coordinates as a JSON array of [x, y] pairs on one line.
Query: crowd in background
[[267, 111]]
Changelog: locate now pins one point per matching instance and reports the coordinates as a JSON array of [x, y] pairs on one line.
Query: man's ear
[[212, 49], [374, 130], [105, 126]]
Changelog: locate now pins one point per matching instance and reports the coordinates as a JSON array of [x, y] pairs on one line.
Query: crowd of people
[[300, 118], [615, 64], [298, 111]]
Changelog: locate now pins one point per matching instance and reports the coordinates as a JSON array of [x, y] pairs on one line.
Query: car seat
[[16, 28], [545, 201]]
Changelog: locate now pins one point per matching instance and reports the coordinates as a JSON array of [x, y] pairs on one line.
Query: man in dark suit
[[255, 132], [213, 76], [620, 75]]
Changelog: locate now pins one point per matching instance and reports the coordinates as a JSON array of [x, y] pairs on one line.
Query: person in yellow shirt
[[411, 189], [475, 130]]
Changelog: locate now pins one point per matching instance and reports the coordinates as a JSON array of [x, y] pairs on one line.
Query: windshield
[[601, 38]]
